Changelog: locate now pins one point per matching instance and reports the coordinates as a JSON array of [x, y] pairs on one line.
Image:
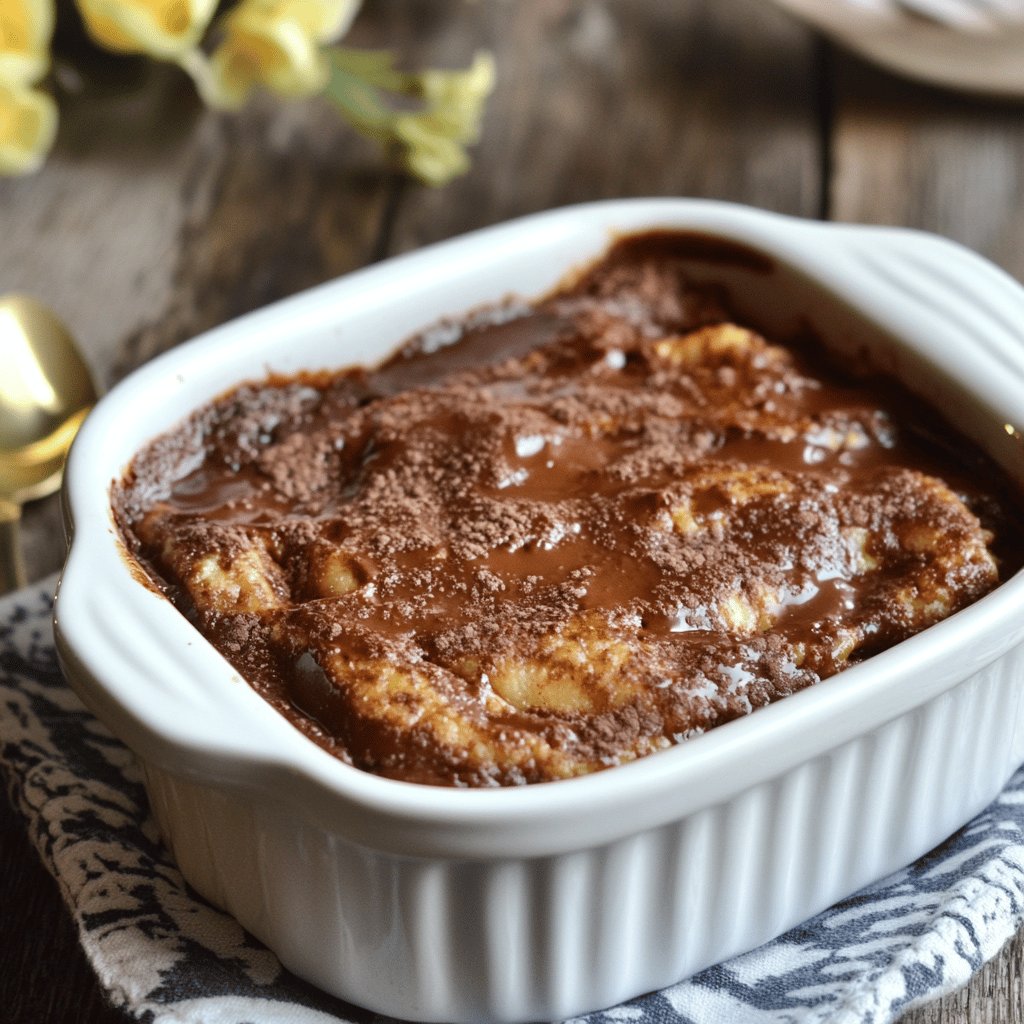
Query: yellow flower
[[430, 153], [160, 28], [25, 30], [323, 20], [432, 139], [28, 124], [459, 95], [435, 138], [274, 43]]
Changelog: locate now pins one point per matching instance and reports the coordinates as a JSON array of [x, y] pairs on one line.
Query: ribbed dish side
[[549, 938]]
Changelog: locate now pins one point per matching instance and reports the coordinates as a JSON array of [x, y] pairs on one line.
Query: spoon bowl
[[45, 393]]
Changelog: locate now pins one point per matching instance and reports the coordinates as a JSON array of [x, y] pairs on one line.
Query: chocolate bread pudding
[[552, 538]]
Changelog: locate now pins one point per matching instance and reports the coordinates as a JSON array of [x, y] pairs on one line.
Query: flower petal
[[322, 20], [160, 28], [259, 50], [432, 139], [431, 155], [28, 125], [26, 27]]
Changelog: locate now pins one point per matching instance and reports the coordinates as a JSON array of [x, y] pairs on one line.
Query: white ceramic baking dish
[[551, 900]]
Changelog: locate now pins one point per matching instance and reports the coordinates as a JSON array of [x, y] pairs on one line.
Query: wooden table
[[155, 220]]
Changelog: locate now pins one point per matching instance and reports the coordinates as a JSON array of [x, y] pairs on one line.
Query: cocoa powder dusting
[[573, 535]]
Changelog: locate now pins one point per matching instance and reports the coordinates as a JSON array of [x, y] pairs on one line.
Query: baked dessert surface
[[553, 539]]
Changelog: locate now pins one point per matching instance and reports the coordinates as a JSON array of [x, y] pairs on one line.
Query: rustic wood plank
[[44, 977], [927, 158], [607, 98], [994, 995]]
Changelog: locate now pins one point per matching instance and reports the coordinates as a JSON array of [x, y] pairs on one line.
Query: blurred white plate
[[976, 45]]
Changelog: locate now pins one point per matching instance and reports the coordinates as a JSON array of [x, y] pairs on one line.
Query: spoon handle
[[12, 568]]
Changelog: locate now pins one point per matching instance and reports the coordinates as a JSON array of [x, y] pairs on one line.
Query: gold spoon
[[45, 393]]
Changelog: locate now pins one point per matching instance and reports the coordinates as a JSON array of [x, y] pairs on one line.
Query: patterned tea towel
[[165, 955]]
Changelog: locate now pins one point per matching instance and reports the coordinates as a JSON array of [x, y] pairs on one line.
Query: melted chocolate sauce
[[522, 509]]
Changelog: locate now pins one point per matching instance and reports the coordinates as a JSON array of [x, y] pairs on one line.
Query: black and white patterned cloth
[[163, 954]]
